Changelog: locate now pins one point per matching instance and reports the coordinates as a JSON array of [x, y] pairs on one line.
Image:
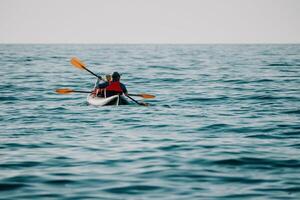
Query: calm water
[[225, 123]]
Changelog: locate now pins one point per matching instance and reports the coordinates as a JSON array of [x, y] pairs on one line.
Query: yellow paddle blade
[[64, 91], [147, 96], [77, 63]]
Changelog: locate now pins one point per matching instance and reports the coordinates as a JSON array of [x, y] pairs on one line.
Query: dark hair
[[116, 76]]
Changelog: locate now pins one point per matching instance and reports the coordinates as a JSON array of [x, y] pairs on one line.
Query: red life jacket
[[114, 86]]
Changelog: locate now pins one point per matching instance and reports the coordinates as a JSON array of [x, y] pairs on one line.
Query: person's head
[[108, 77], [116, 76]]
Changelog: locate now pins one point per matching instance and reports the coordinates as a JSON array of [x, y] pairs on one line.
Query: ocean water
[[225, 123]]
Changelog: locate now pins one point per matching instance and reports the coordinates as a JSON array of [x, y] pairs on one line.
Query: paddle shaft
[[134, 100], [137, 95], [79, 91], [92, 72]]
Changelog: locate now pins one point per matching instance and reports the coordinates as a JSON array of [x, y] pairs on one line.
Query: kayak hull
[[113, 100]]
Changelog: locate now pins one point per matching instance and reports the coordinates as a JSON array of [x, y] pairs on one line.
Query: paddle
[[139, 103], [68, 91], [79, 64], [145, 96]]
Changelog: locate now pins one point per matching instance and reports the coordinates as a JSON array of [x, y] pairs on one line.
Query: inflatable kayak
[[101, 101]]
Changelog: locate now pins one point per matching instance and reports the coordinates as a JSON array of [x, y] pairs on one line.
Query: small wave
[[11, 186], [60, 182], [238, 81], [293, 126], [189, 175], [18, 165], [170, 147], [11, 98], [22, 179], [282, 64], [241, 81], [263, 80], [44, 196], [264, 97], [169, 80], [11, 87], [268, 97], [288, 70], [60, 57], [62, 174], [133, 189], [285, 189], [29, 59], [297, 146], [60, 108], [259, 162], [19, 145], [297, 111], [232, 179], [214, 127], [264, 136], [202, 99], [162, 67], [252, 130], [244, 196], [292, 133]]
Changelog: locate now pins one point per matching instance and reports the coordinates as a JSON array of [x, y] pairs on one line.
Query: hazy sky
[[149, 21]]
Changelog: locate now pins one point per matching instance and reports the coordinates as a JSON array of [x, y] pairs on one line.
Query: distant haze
[[149, 21]]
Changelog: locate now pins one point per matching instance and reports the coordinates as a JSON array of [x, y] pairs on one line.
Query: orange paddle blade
[[147, 96], [64, 91], [77, 63]]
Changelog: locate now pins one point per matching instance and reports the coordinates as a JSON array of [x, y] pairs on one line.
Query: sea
[[225, 123]]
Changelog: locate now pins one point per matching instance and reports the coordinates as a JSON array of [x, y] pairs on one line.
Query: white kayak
[[101, 101]]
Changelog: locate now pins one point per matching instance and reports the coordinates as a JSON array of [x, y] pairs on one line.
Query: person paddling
[[108, 78], [97, 91], [115, 87]]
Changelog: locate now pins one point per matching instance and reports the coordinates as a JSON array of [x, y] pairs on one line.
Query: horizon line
[[146, 43]]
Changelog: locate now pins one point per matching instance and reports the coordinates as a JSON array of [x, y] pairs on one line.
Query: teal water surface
[[225, 123]]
